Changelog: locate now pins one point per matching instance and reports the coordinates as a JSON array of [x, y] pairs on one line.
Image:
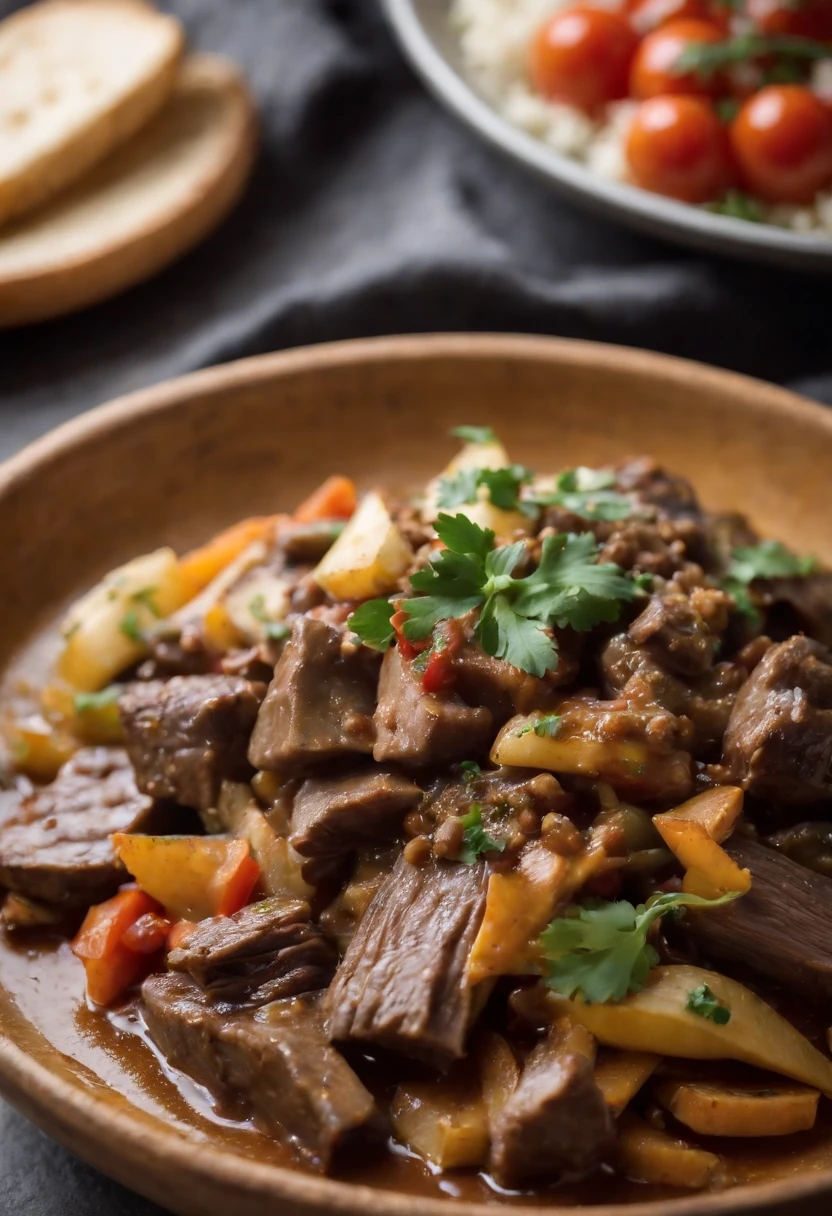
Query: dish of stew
[[475, 842]]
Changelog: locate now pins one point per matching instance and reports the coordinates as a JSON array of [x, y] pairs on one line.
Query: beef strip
[[320, 704], [189, 734], [416, 728], [56, 846], [402, 984], [682, 631], [503, 689], [779, 928], [265, 952], [556, 1124], [778, 743], [280, 1068], [334, 815]]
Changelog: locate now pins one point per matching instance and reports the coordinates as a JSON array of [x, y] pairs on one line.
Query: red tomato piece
[[806, 19], [647, 15], [582, 56], [408, 649], [439, 673], [653, 72], [678, 147], [111, 966], [782, 138]]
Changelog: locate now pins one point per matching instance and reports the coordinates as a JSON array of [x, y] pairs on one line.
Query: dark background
[[372, 212]]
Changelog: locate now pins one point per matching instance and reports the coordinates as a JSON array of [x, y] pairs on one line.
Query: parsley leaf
[[545, 727], [476, 839], [769, 559], [704, 1003], [470, 768], [371, 623], [86, 701], [587, 493], [276, 631], [503, 486], [736, 203], [130, 627], [474, 434], [600, 951], [569, 588]]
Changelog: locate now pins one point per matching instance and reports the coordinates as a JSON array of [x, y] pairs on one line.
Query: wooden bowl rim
[[131, 1142]]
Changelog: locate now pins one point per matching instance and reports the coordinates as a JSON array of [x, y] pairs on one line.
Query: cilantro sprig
[[706, 1004], [569, 588], [708, 58], [587, 493], [371, 624], [502, 485], [769, 559], [545, 727], [476, 840], [600, 951]]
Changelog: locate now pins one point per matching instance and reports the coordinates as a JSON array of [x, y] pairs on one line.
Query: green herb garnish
[[86, 702], [275, 631], [145, 598], [470, 768], [769, 559], [569, 588], [708, 58], [474, 434], [371, 624], [503, 487], [587, 493], [704, 1003], [600, 951], [545, 727], [130, 627], [476, 839], [737, 204]]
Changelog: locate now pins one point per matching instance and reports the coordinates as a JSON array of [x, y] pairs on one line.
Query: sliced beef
[[795, 604], [265, 952], [402, 984], [56, 846], [672, 497], [277, 1066], [416, 728], [480, 679], [556, 1124], [681, 631], [320, 704], [780, 928], [183, 653], [334, 815], [778, 743], [187, 735]]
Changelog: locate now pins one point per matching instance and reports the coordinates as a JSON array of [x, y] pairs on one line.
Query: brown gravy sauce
[[46, 983]]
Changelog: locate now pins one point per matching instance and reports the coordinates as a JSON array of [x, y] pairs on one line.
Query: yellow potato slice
[[739, 1109], [621, 1074], [368, 558], [649, 1155]]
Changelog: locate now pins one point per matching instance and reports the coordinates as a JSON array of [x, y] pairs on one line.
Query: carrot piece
[[179, 933], [110, 965], [201, 566], [336, 498], [234, 882]]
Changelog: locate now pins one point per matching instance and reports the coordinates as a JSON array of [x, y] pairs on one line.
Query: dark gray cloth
[[372, 212]]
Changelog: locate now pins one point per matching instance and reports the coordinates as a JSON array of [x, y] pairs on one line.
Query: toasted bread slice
[[144, 206], [77, 78]]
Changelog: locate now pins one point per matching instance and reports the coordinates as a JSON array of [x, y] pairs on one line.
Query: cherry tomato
[[677, 146], [647, 15], [582, 56], [782, 138], [807, 19], [652, 73]]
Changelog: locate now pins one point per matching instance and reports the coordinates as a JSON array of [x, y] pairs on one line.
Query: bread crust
[[43, 171]]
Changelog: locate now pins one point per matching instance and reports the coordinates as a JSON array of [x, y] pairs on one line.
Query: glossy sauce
[[46, 982]]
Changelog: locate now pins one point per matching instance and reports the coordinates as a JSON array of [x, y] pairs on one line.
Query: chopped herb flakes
[[130, 627], [545, 727], [600, 951], [736, 203], [470, 768], [476, 839], [86, 702], [275, 631], [703, 1002]]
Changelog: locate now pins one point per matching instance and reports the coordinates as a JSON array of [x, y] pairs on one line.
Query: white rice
[[494, 38]]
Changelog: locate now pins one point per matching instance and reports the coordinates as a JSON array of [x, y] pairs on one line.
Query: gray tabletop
[[370, 212]]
